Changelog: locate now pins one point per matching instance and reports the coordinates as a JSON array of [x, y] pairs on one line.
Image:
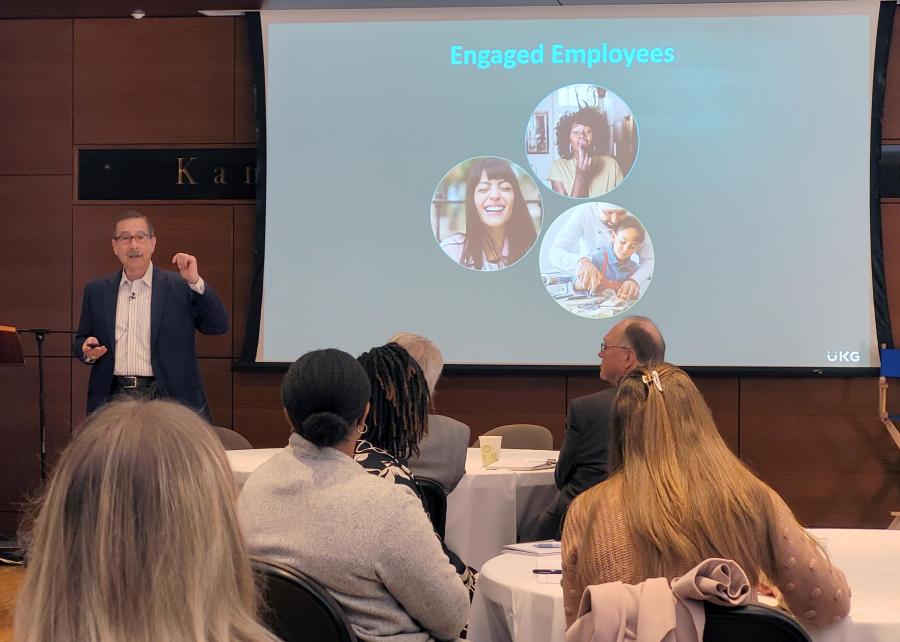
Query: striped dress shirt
[[133, 324]]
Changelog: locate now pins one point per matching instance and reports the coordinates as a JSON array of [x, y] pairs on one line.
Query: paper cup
[[490, 449]]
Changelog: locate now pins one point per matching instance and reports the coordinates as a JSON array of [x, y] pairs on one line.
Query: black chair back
[[435, 502], [296, 608], [750, 623]]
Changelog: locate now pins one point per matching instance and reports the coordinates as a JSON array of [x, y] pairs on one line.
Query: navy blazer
[[175, 312], [582, 461]]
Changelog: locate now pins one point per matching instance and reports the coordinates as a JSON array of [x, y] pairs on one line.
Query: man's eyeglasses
[[604, 347], [125, 237]]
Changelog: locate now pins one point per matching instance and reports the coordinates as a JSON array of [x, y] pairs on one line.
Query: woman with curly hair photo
[[580, 171]]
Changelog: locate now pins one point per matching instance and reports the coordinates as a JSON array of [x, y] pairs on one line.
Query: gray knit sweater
[[364, 538]]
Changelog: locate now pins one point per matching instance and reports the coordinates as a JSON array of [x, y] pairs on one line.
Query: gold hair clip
[[653, 378]]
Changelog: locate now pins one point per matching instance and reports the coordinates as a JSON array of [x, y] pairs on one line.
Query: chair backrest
[[435, 502], [750, 623], [297, 608], [525, 436], [231, 440]]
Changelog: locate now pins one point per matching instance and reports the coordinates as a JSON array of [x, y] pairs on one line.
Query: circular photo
[[581, 141], [486, 213], [596, 260]]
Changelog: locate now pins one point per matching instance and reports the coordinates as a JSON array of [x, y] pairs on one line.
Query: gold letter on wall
[[183, 171]]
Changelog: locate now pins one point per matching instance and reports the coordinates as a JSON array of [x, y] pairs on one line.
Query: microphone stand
[[15, 556], [39, 334]]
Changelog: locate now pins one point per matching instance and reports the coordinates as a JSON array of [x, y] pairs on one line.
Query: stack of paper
[[547, 547], [522, 464]]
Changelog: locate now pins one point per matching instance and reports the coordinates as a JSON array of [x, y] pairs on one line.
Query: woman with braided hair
[[677, 495], [397, 421]]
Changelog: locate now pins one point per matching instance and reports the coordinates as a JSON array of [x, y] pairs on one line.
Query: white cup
[[490, 449]]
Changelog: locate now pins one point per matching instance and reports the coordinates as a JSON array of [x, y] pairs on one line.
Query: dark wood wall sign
[[166, 174]]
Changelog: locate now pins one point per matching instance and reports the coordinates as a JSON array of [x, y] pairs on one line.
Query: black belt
[[129, 382]]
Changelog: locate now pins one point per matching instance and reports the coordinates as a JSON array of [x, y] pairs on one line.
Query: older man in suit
[[442, 452], [137, 325], [633, 342]]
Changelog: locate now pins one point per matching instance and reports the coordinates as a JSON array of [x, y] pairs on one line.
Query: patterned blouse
[[380, 462]]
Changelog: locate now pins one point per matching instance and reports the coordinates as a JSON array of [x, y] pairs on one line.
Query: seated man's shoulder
[[448, 424], [595, 399]]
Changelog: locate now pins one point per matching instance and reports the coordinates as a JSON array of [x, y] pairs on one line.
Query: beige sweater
[[814, 590]]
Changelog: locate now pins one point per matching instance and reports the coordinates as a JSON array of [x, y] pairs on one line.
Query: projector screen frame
[[247, 360]]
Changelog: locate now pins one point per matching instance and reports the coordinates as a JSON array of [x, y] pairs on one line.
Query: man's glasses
[[125, 237], [604, 347]]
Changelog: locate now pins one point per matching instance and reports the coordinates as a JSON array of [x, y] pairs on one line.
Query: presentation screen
[[513, 182]]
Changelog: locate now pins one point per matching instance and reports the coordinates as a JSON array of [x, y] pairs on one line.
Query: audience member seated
[[137, 537], [397, 420], [367, 541], [677, 495], [442, 451]]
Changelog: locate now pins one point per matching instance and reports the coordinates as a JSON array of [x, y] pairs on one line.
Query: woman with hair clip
[[367, 541], [137, 537], [398, 420], [499, 229], [676, 496]]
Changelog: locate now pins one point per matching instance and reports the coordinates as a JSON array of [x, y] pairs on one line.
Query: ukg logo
[[842, 356]]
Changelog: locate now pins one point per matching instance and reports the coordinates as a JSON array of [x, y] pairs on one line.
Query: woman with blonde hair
[[676, 496], [137, 537]]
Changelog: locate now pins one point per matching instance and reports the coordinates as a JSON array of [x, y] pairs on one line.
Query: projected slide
[[511, 182]]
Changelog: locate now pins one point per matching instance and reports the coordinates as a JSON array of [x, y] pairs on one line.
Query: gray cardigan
[[363, 538]]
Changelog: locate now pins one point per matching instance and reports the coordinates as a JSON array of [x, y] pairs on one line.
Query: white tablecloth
[[510, 604], [483, 511], [244, 462], [487, 506]]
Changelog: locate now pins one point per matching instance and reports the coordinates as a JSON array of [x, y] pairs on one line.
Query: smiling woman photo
[[499, 228]]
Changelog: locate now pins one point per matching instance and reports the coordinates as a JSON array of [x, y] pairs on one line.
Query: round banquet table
[[512, 605], [485, 509]]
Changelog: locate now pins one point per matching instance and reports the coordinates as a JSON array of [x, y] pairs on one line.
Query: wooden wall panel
[[20, 426], [820, 444], [244, 253], [80, 374], [258, 413], [154, 81], [202, 230], [36, 100], [216, 375], [484, 401], [244, 100], [722, 396], [583, 383], [890, 233], [36, 251], [890, 124]]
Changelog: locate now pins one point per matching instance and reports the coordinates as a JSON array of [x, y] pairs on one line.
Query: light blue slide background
[[752, 178]]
